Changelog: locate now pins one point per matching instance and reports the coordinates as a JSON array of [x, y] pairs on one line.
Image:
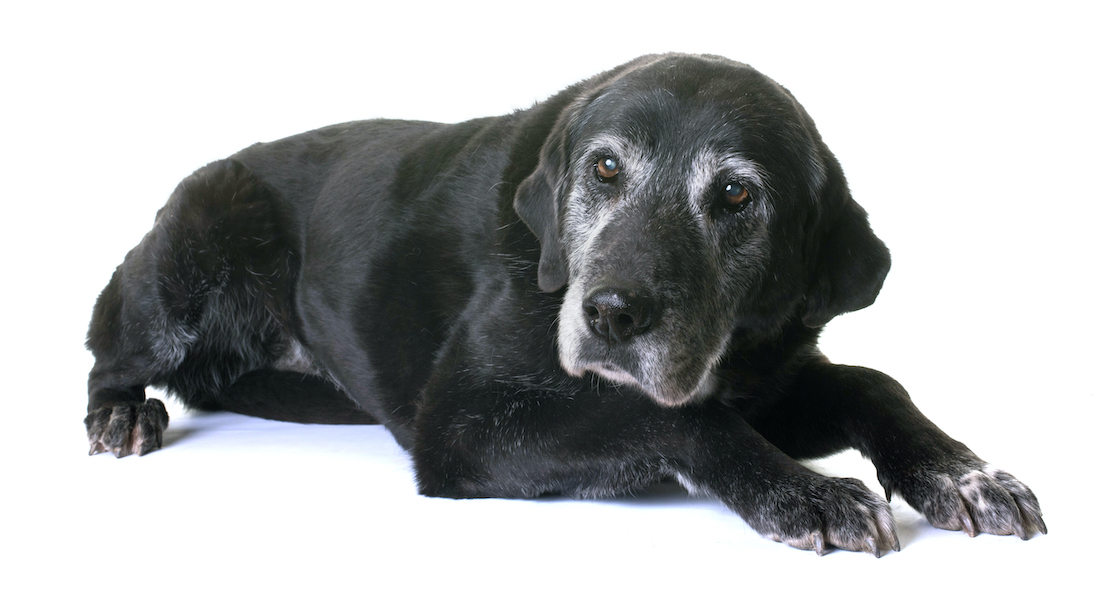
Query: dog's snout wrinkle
[[618, 314]]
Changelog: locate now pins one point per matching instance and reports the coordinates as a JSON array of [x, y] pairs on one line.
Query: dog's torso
[[403, 246]]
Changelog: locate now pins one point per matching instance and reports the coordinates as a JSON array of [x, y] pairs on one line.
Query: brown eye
[[736, 193], [607, 168]]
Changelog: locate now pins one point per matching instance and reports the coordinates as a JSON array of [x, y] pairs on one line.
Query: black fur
[[525, 324]]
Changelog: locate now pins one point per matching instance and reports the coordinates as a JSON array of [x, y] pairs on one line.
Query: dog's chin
[[663, 394]]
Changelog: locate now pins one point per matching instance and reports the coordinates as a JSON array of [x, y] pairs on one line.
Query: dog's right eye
[[735, 194], [607, 169]]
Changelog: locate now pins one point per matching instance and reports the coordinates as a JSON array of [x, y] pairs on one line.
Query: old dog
[[621, 285]]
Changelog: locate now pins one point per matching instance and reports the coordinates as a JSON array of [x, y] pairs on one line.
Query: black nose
[[618, 315]]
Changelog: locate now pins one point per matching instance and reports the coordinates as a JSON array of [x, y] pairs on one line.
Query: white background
[[967, 130]]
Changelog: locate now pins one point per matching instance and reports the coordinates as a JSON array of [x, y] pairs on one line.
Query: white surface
[[969, 133]]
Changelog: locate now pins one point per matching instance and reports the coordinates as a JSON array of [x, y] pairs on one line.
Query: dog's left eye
[[607, 169]]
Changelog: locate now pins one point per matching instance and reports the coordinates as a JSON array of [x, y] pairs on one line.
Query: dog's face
[[681, 199]]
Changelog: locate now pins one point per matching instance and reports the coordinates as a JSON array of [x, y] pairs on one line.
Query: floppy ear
[[537, 202], [851, 265], [539, 198]]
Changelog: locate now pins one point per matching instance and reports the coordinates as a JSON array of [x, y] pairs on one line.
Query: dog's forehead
[[651, 115], [691, 107], [693, 87], [695, 104]]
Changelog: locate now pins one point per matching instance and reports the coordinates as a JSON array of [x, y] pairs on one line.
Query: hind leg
[[203, 299], [293, 397], [128, 427], [120, 419]]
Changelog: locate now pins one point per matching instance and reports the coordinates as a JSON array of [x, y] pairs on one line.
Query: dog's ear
[[538, 202], [851, 262], [540, 197]]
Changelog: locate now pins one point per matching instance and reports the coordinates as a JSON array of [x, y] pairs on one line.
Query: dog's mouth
[[630, 338], [608, 372], [665, 393], [669, 377]]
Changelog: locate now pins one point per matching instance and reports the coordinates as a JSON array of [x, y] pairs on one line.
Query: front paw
[[125, 429], [826, 512], [972, 496]]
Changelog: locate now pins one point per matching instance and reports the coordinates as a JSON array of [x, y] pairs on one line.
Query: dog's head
[[681, 198]]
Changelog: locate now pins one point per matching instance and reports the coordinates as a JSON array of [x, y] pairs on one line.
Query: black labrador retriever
[[621, 285]]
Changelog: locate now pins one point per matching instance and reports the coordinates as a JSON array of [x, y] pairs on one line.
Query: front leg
[[834, 407], [521, 442]]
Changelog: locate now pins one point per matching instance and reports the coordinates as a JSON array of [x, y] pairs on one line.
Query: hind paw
[[125, 429]]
